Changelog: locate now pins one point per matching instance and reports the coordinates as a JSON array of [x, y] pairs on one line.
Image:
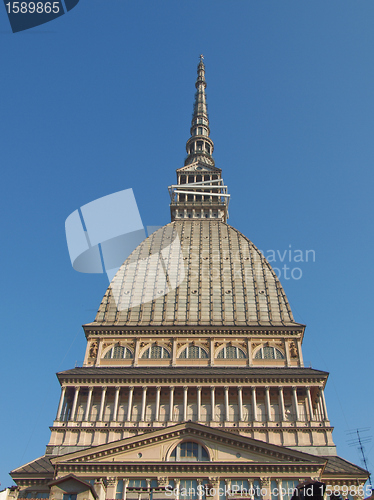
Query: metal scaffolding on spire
[[200, 192]]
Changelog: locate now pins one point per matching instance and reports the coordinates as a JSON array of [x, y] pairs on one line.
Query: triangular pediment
[[198, 167], [156, 446]]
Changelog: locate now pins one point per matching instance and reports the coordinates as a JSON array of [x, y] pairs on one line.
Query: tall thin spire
[[200, 146], [200, 192]]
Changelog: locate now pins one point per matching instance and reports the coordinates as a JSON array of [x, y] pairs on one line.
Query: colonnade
[[197, 212], [253, 488], [321, 404]]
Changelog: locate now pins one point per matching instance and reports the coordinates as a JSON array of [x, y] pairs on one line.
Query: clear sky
[[100, 100]]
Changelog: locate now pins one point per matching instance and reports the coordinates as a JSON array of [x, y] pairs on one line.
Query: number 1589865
[[33, 7]]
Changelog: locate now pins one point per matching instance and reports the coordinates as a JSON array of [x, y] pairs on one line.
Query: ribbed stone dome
[[195, 273]]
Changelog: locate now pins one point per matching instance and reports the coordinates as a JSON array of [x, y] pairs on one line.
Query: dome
[[195, 273]]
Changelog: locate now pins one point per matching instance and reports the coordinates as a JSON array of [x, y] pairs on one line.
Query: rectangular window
[[288, 488], [302, 412], [188, 489], [192, 412], [261, 413], [122, 412], [119, 489], [220, 412], [150, 412], [164, 413], [108, 412], [70, 496], [274, 490]]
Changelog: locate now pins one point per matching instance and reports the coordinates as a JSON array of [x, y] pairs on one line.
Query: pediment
[[156, 446], [199, 167]]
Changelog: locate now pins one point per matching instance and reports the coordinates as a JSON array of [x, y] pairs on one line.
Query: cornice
[[91, 329], [199, 469], [23, 479], [218, 381]]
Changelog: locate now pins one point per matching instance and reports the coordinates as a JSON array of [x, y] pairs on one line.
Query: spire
[[200, 192], [200, 146]]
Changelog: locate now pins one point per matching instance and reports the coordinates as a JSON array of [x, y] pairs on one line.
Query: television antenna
[[358, 440]]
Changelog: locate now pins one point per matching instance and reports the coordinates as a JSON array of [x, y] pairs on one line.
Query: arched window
[[189, 451], [231, 352], [193, 352], [269, 352], [118, 352], [156, 352]]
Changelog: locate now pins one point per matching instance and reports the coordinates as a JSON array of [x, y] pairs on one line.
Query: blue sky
[[100, 100]]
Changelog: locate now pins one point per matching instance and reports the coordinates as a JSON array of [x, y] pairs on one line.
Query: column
[[227, 418], [279, 486], [157, 415], [251, 489], [227, 486], [136, 353], [267, 402], [148, 481], [323, 403], [88, 406], [174, 353], [265, 486], [125, 484], [295, 403], [240, 404], [254, 404], [116, 400], [213, 404], [129, 404], [300, 352], [310, 404], [198, 403], [249, 350], [185, 401], [99, 351], [199, 489], [111, 484], [319, 409], [75, 401], [281, 405], [62, 398], [287, 352], [102, 403], [177, 486], [144, 401], [171, 404], [212, 348]]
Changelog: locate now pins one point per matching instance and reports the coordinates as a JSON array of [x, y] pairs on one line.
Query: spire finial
[[200, 146]]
